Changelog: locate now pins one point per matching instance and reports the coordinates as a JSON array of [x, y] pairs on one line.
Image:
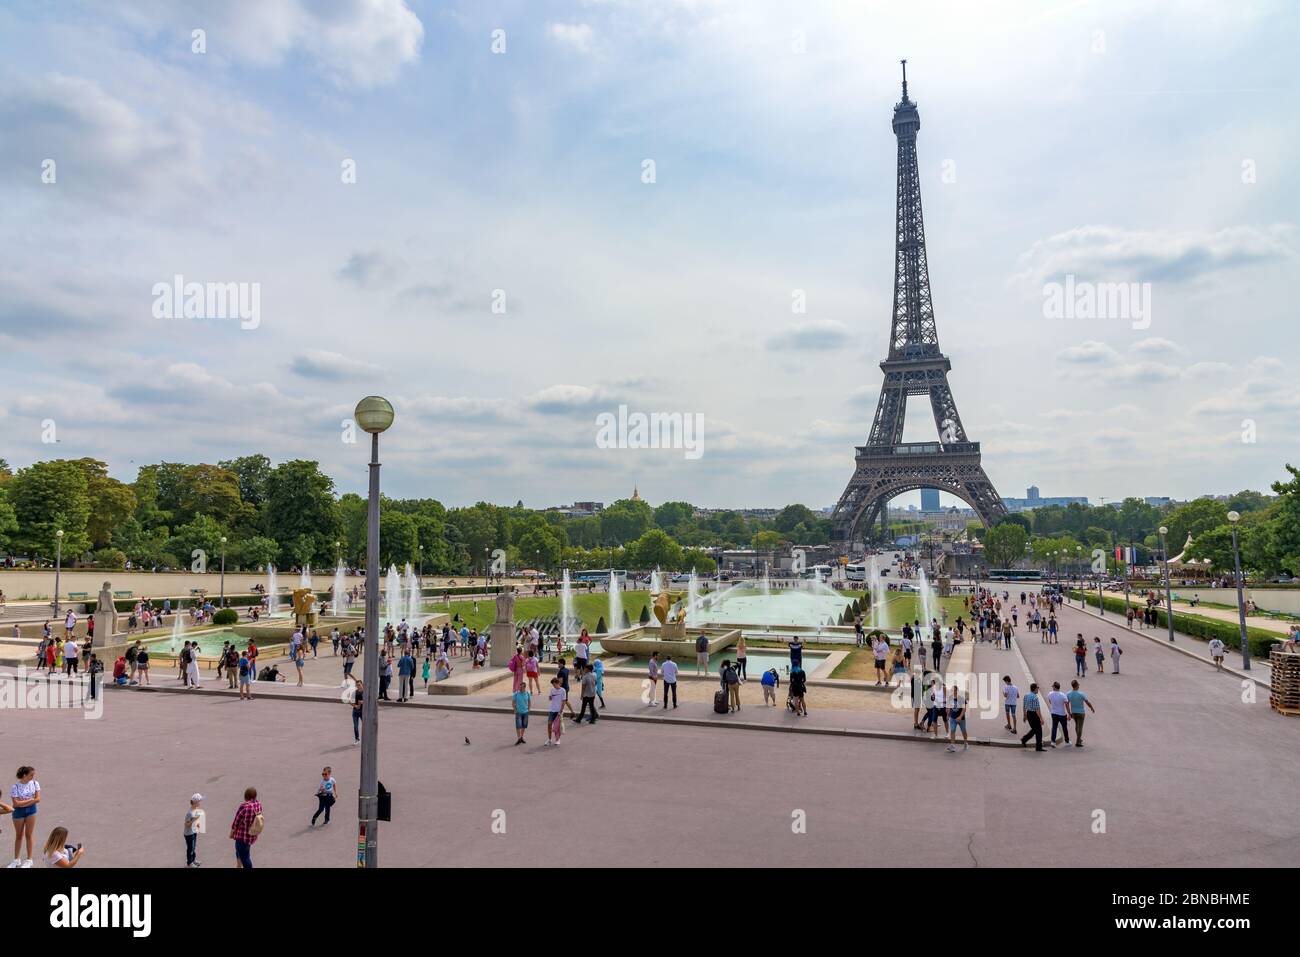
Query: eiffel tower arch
[[887, 466]]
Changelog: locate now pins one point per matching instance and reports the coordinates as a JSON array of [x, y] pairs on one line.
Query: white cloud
[[1156, 346], [1089, 353], [577, 36], [320, 364], [815, 335]]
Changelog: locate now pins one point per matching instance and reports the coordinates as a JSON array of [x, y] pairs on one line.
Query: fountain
[[765, 586], [692, 597], [615, 604], [304, 580], [178, 629], [340, 586], [393, 596], [272, 592], [566, 606], [412, 596], [927, 599], [654, 581]]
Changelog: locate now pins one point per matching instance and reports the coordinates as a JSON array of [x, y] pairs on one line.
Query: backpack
[[259, 822]]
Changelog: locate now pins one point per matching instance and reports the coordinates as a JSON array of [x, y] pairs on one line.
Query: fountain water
[[340, 586], [566, 606], [692, 597], [272, 592], [927, 599], [412, 596], [765, 586], [393, 596], [654, 582], [304, 580], [615, 605], [178, 629]]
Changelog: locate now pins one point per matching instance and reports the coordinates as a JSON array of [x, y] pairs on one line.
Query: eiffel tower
[[887, 466]]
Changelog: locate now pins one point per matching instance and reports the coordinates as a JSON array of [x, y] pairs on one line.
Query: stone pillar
[[503, 630]]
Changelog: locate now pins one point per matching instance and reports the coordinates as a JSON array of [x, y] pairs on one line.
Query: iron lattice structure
[[887, 466]]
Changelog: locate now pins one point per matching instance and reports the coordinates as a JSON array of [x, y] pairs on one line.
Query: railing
[[921, 448]]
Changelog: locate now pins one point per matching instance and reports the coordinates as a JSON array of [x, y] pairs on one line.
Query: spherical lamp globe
[[374, 414]]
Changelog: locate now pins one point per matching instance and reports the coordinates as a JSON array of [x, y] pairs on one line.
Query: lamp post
[[1234, 517], [1169, 601], [223, 571], [58, 567], [374, 415]]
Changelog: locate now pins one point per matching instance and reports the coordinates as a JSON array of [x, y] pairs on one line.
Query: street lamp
[[1169, 601], [223, 571], [1235, 517], [485, 564], [374, 415], [58, 567]]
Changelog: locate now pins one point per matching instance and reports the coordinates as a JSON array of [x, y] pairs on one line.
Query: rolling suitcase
[[720, 702]]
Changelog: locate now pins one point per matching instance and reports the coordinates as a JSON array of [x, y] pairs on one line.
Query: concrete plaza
[[1184, 772]]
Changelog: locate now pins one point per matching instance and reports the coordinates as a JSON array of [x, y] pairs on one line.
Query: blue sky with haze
[[1100, 140]]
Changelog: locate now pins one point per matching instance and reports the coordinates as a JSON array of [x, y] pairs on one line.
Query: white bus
[[855, 572]]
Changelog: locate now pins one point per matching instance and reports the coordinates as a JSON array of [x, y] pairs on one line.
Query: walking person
[[1217, 649], [559, 700], [958, 701], [1099, 653], [702, 654], [522, 699], [326, 794], [741, 656], [771, 681], [1033, 718], [654, 671], [406, 675], [670, 681], [879, 649], [192, 667], [1115, 652], [25, 793], [588, 684], [1010, 695], [358, 695], [1078, 701], [245, 828], [193, 824], [1080, 657], [245, 669], [1058, 704], [598, 669]]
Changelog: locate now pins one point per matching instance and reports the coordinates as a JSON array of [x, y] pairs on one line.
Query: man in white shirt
[[1217, 649], [1058, 704], [70, 654], [1010, 695], [670, 680]]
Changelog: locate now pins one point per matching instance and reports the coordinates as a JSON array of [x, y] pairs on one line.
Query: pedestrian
[[1099, 653], [731, 685], [245, 669], [518, 666], [25, 793], [588, 684], [1216, 652], [1115, 652], [670, 681], [1010, 695], [1078, 701], [654, 671], [192, 667], [936, 652], [1058, 703], [358, 695], [335, 639], [142, 663], [562, 672], [799, 692], [349, 658], [1080, 657], [702, 654], [879, 649], [193, 825], [741, 657], [957, 703], [559, 700], [1033, 718], [385, 678], [598, 669], [326, 794], [522, 699], [245, 828], [1130, 615], [424, 671], [406, 675]]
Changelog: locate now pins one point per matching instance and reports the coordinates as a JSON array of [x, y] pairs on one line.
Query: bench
[[78, 595], [123, 594]]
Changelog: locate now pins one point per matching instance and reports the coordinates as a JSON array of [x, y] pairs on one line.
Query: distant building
[[1033, 499], [1159, 501], [930, 499], [579, 509]]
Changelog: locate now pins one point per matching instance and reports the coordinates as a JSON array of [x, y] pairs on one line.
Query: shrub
[[1261, 640], [226, 616], [645, 615], [109, 558], [627, 622], [600, 626]]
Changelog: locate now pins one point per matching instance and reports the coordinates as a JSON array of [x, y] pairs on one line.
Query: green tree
[[300, 508], [8, 520], [793, 515], [1193, 518], [111, 502], [256, 552], [1004, 545], [46, 497], [202, 535], [252, 473], [625, 521], [670, 515], [766, 541], [655, 548]]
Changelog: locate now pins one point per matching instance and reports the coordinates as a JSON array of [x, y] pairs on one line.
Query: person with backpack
[[702, 654], [799, 691], [1080, 657], [246, 827], [245, 669], [731, 685], [232, 667], [325, 798]]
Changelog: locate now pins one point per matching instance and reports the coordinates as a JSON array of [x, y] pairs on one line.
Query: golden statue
[[304, 606], [672, 627]]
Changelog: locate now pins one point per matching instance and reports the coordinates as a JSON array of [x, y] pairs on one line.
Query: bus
[[601, 576], [1015, 574], [855, 572]]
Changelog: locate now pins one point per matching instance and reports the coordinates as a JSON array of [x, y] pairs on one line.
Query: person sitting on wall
[[270, 673]]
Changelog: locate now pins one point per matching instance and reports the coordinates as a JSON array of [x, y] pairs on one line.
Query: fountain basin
[[642, 642]]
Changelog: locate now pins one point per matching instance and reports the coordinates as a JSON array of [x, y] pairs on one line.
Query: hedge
[[226, 616], [1194, 626]]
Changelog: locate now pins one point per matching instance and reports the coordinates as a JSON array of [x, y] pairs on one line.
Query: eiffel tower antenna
[[887, 466]]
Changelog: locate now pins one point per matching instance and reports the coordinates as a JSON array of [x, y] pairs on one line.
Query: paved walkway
[[1229, 615]]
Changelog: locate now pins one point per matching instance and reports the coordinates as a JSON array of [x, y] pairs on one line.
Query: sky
[[510, 218]]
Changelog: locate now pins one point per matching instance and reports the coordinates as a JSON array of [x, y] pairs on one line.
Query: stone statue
[[105, 616], [506, 606]]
